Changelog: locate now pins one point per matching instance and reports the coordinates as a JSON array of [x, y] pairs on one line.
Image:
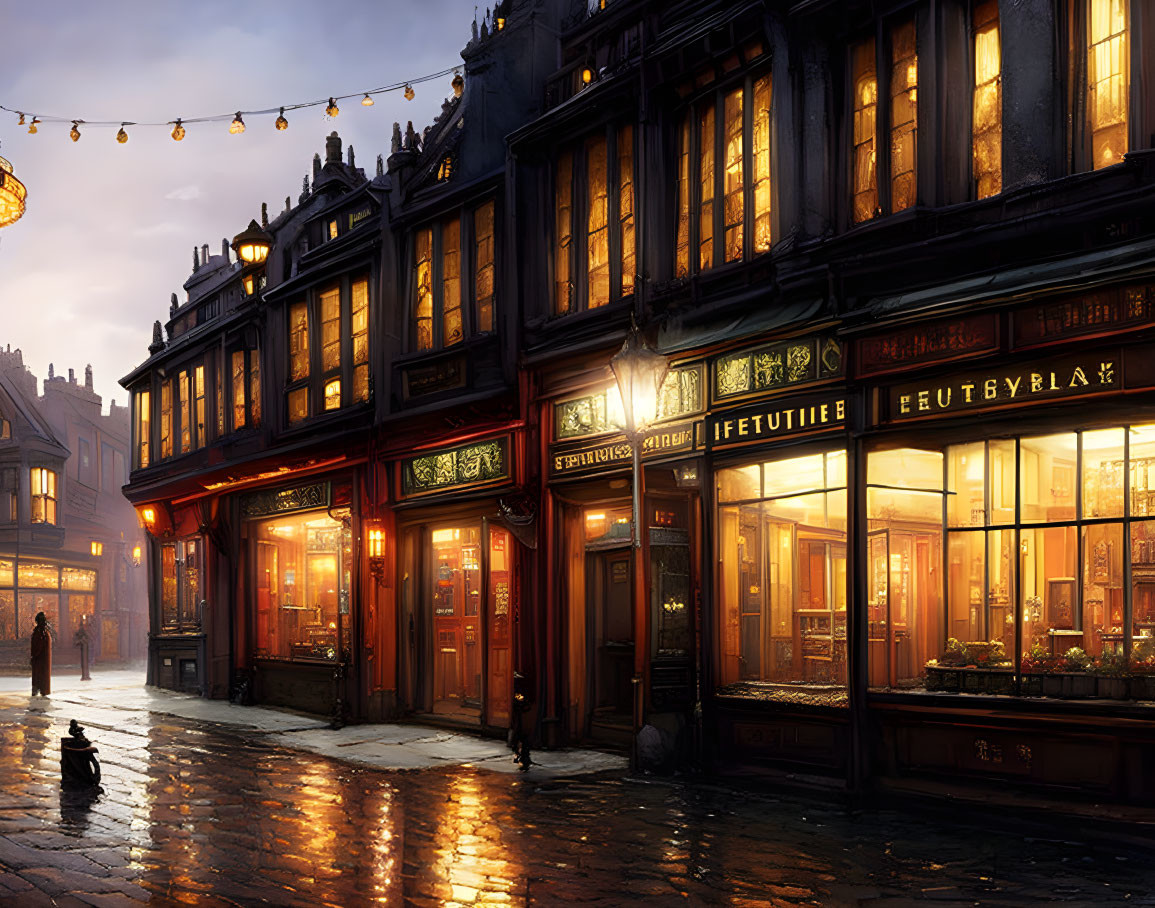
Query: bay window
[[724, 177], [594, 199], [453, 279], [43, 491]]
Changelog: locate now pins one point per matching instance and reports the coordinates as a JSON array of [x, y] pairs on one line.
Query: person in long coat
[[41, 657]]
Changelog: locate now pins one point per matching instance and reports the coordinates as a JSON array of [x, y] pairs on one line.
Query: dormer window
[[333, 229], [446, 308], [594, 205], [445, 169]]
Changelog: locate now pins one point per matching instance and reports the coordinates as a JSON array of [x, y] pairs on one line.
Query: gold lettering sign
[[356, 217], [661, 441], [1047, 380], [786, 418]]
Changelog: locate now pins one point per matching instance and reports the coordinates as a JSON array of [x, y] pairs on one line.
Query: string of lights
[[236, 121]]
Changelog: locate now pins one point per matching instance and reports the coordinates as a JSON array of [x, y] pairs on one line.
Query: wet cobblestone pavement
[[198, 814]]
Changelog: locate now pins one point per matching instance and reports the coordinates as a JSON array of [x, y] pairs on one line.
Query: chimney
[[333, 148], [51, 371], [225, 248], [88, 376], [72, 376], [205, 253]]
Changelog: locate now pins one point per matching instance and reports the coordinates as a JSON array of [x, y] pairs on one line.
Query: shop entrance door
[[610, 630], [472, 600], [903, 600]]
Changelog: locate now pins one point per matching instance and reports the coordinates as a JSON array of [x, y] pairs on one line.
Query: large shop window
[[724, 178], [66, 595], [328, 344], [304, 567], [181, 585], [1031, 555], [781, 564], [594, 247], [453, 293]]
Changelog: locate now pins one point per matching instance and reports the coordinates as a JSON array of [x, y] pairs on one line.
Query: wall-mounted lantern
[[375, 549], [136, 556]]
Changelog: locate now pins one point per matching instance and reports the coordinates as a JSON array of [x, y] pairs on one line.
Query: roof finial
[[172, 305], [157, 339], [264, 214]]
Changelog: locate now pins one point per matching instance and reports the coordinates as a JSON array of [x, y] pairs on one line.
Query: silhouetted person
[[41, 657], [78, 763], [80, 638]]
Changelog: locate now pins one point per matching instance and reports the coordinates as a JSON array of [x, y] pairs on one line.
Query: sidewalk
[[114, 699]]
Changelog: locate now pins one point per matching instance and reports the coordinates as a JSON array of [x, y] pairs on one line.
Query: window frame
[[50, 499], [465, 215], [189, 616], [1080, 141], [687, 143], [577, 262]]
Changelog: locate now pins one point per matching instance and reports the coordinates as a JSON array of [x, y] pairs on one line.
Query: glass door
[[878, 609], [455, 595], [500, 604]]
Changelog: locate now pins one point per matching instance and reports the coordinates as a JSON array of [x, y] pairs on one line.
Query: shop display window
[[7, 615], [1068, 568], [303, 576], [181, 584], [782, 572], [608, 526]]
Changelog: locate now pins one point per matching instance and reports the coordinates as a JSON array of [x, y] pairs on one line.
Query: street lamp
[[640, 372], [252, 244], [12, 195]]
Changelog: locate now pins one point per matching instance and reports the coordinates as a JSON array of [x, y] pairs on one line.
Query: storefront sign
[[1100, 312], [660, 441], [356, 217], [475, 464], [774, 366], [788, 417], [446, 375], [281, 501], [1070, 376], [601, 411], [939, 341]]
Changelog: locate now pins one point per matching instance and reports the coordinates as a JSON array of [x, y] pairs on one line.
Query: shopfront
[[299, 616], [458, 584], [65, 593], [1010, 547], [627, 642]]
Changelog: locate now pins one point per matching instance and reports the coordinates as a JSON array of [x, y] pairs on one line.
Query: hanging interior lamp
[[408, 92], [366, 101], [458, 84], [332, 109], [12, 195], [74, 132], [238, 125], [122, 136], [282, 124], [177, 131]]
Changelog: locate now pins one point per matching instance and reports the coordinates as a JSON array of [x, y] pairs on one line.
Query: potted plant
[[987, 670], [1038, 664], [944, 674], [1074, 682]]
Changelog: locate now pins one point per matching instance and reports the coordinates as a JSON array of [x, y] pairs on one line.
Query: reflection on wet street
[[192, 813]]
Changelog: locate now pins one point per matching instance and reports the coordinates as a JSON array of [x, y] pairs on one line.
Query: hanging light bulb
[[122, 136], [177, 131], [238, 125], [32, 130], [74, 133], [458, 84], [408, 92], [332, 110], [21, 121], [282, 124], [366, 101]]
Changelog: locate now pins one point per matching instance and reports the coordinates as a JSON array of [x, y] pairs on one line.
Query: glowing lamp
[[97, 548], [178, 131], [12, 195], [238, 125], [282, 124], [375, 549], [148, 517], [136, 556], [409, 92], [458, 84], [252, 244], [332, 109], [587, 76], [640, 373], [366, 101]]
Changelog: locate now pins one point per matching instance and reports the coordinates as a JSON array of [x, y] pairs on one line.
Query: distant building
[[65, 521]]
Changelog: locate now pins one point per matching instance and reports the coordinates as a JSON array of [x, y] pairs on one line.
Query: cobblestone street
[[194, 811]]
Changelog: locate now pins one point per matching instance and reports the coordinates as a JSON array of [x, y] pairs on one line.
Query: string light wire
[[41, 118]]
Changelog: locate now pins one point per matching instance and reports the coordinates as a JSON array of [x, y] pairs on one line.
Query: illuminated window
[[255, 386], [903, 117], [724, 157], [166, 419], [446, 307], [184, 417], [865, 178], [220, 394], [1108, 62], [298, 341], [238, 374], [360, 335], [43, 486], [483, 266], [199, 406], [330, 305], [5, 429], [445, 169], [563, 234], [181, 584], [8, 496], [333, 394], [332, 230], [590, 274], [142, 428], [987, 121]]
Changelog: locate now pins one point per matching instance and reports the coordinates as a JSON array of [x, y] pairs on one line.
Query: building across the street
[[882, 514], [70, 544]]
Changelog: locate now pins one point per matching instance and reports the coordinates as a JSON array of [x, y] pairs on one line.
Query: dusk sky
[[109, 229]]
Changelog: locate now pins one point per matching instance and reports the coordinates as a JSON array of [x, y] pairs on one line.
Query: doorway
[[904, 604], [610, 630]]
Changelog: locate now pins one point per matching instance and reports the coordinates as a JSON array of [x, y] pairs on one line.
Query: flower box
[[1142, 687], [1033, 684], [987, 681], [1112, 687], [943, 678]]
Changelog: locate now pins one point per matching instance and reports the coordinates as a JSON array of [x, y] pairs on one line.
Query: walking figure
[[518, 737], [41, 657], [80, 638]]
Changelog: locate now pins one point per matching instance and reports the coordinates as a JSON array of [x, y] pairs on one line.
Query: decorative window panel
[[1108, 83], [987, 116], [776, 366], [865, 180], [903, 117], [474, 464]]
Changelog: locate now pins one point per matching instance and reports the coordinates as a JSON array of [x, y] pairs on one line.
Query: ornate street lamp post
[[12, 195], [640, 372]]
